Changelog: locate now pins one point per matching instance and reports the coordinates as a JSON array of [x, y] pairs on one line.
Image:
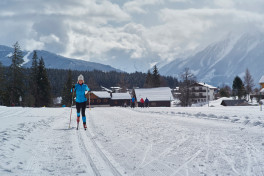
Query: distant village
[[201, 94]]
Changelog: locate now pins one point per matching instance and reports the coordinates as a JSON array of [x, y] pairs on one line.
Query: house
[[202, 92], [120, 99], [99, 98], [116, 89], [261, 82], [234, 103], [158, 97]]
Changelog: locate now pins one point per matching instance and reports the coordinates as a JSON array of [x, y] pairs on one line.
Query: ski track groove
[[100, 152], [88, 157], [185, 163]]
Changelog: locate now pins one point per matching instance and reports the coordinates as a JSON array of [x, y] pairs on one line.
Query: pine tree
[[16, 81], [33, 79], [238, 87], [44, 88], [155, 77], [1, 83], [248, 82], [148, 81], [66, 94]]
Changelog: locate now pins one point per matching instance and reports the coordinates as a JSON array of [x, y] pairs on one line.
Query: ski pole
[[71, 108], [89, 100]]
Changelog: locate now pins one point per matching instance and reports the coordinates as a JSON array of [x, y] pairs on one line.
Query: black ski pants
[[79, 107]]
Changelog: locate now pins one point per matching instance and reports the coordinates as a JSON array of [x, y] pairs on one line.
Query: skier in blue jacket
[[81, 89]]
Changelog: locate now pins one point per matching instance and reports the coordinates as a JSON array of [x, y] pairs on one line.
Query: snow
[[121, 96], [207, 85], [26, 59], [101, 94], [154, 94], [262, 90], [9, 55], [142, 141], [104, 88], [261, 79]]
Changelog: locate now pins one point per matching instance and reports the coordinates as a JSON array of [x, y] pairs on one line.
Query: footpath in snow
[[124, 141]]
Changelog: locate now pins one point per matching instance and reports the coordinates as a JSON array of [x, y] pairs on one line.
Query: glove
[[73, 86]]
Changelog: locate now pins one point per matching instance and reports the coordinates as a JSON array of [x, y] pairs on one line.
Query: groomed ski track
[[132, 142], [99, 162]]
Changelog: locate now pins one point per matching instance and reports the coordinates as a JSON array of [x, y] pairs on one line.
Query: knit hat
[[80, 77]]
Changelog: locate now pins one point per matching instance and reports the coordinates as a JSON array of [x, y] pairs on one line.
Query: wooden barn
[[120, 99], [158, 97], [99, 98]]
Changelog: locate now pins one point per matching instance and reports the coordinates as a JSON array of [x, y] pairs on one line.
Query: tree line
[[240, 89], [37, 86]]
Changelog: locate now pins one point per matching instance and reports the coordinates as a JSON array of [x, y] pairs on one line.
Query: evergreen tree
[[155, 77], [122, 83], [148, 81], [44, 88], [33, 79], [248, 82], [1, 83], [16, 79], [238, 87], [66, 94]]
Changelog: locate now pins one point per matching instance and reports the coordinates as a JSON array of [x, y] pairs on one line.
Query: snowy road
[[119, 141]]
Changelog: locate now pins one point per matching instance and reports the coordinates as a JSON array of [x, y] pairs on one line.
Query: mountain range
[[53, 61], [216, 64], [220, 62]]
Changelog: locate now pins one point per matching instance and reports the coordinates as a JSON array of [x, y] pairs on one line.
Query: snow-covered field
[[123, 141]]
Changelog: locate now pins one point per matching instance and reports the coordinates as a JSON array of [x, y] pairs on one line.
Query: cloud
[[119, 32], [137, 6]]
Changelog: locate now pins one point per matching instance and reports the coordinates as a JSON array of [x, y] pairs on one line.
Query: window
[[98, 101]]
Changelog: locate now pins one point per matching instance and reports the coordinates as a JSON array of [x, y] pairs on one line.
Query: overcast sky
[[104, 30]]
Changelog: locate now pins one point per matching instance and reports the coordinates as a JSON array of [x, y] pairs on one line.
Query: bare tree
[[248, 83], [187, 79]]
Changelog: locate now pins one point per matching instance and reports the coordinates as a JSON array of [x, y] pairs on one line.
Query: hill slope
[[53, 61], [220, 62]]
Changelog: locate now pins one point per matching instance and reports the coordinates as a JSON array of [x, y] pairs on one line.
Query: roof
[[104, 88], [207, 85], [262, 90], [261, 79], [101, 94], [232, 102], [121, 96], [154, 94]]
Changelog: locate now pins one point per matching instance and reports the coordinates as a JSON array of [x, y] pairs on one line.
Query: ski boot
[[84, 126]]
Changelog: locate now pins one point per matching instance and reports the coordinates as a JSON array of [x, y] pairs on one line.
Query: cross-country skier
[[81, 89]]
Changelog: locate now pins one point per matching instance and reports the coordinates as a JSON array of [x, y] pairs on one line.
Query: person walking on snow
[[146, 102], [81, 89], [142, 103]]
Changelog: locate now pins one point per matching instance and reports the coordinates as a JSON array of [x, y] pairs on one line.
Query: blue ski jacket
[[80, 92]]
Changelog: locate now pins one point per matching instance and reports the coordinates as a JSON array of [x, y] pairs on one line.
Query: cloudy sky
[[124, 33]]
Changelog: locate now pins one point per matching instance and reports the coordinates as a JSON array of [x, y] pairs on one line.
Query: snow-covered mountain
[[221, 61], [53, 60]]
